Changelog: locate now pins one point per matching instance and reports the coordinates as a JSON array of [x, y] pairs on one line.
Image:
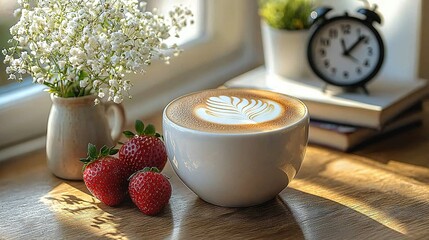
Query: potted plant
[[82, 52], [284, 35]]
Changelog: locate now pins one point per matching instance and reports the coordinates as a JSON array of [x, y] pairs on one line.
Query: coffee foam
[[235, 110]]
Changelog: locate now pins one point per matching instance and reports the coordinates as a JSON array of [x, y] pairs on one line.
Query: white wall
[[424, 41]]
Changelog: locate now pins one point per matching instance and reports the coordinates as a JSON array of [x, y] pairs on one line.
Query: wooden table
[[378, 192]]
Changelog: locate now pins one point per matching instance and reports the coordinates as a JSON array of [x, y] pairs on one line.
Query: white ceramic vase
[[72, 124], [285, 52]]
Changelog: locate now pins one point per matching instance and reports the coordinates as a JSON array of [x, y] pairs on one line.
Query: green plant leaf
[[128, 134], [82, 75], [92, 151], [85, 160], [104, 151], [113, 151], [150, 169], [286, 14], [139, 127], [150, 130]]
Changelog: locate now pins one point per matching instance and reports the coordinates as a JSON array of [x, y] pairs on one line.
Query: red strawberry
[[149, 190], [104, 175], [144, 149]]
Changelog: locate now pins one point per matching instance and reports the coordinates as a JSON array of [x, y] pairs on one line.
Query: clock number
[[345, 28], [359, 70], [326, 63], [333, 33], [366, 40], [346, 74], [366, 63], [325, 42], [322, 52], [370, 52], [333, 70]]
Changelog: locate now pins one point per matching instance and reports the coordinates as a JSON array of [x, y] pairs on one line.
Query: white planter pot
[[285, 52]]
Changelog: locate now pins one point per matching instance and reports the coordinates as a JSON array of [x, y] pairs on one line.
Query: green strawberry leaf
[[113, 151], [150, 169], [104, 151], [85, 160], [92, 151], [128, 134], [141, 130], [93, 155], [139, 127], [146, 169], [150, 130]]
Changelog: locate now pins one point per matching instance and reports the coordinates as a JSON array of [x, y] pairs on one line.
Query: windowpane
[[191, 32], [6, 21], [218, 25]]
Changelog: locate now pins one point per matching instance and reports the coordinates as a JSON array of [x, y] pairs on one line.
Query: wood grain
[[380, 191]]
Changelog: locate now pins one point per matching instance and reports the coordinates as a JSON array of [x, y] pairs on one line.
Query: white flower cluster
[[79, 47]]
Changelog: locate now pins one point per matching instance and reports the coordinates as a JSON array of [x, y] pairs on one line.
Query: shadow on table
[[336, 193], [407, 145], [79, 215], [322, 218], [191, 218], [271, 220]]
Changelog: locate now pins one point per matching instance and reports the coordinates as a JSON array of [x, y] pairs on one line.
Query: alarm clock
[[345, 51]]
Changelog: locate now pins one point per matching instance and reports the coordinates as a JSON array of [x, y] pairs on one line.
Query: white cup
[[236, 169]]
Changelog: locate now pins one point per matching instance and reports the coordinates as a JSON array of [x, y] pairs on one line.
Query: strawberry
[[144, 149], [149, 190], [104, 175]]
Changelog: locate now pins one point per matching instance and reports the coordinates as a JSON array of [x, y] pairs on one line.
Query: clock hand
[[352, 58], [343, 45], [360, 39], [345, 52]]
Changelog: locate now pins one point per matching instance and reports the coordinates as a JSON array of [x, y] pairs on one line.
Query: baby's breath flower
[[117, 99], [96, 83], [83, 83], [12, 77], [79, 48], [40, 80], [101, 94]]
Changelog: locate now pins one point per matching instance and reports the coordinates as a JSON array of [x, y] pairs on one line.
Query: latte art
[[234, 110]]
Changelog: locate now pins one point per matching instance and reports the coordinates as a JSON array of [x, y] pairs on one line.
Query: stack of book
[[344, 120]]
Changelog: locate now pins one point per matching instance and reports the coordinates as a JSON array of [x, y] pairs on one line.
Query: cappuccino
[[235, 111], [214, 135]]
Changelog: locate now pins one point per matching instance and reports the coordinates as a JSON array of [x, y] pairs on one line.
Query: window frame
[[230, 45]]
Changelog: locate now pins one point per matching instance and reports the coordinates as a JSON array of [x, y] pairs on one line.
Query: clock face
[[345, 51]]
